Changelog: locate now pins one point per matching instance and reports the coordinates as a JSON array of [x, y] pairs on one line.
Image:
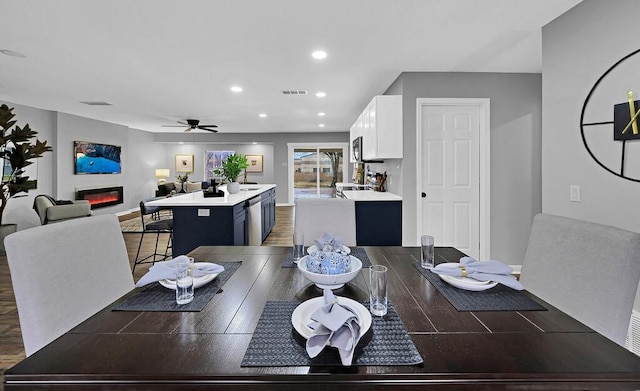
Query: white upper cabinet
[[381, 128]]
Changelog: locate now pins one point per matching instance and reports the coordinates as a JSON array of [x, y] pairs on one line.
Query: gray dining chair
[[64, 273], [315, 216], [588, 270]]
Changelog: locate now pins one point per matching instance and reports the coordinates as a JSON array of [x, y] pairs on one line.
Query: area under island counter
[[241, 219]]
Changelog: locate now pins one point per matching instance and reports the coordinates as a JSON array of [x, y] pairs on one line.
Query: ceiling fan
[[193, 124]]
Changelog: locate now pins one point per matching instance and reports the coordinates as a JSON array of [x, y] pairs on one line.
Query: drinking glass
[[298, 246], [427, 252], [184, 282], [378, 290]]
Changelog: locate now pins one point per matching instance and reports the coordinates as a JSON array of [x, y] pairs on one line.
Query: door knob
[[424, 195]]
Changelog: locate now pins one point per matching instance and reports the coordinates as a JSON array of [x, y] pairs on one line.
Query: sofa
[[50, 210], [169, 188]]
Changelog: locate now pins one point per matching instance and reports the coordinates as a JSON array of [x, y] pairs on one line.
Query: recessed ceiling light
[[321, 114], [262, 115], [236, 89], [321, 126], [321, 94], [319, 54], [12, 53]]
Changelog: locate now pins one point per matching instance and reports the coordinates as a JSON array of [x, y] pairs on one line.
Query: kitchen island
[[378, 217], [235, 219]]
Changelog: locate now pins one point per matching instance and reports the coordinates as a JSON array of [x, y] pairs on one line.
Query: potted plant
[[182, 179], [231, 168], [16, 149]]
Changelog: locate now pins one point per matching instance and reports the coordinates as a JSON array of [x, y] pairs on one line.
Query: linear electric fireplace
[[100, 197]]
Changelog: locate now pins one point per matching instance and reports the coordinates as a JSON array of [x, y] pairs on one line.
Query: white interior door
[[450, 182]]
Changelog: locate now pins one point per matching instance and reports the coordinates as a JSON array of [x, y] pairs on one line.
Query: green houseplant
[[231, 168], [16, 152]]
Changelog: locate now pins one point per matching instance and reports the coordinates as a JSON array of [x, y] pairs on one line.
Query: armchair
[[51, 211]]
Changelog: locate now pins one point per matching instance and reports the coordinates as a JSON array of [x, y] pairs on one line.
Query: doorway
[[314, 169], [453, 173]]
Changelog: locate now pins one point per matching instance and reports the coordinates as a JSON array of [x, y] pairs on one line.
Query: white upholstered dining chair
[[64, 273], [315, 216], [588, 270]]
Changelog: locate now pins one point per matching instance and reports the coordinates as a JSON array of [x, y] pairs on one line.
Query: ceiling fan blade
[[183, 123], [208, 126], [172, 126], [210, 130]]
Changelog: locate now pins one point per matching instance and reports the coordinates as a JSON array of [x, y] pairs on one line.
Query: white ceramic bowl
[[330, 281]]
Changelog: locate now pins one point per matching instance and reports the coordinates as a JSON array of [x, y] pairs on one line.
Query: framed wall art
[[184, 163], [255, 163]]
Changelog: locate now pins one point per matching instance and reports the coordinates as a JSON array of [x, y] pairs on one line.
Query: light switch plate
[[574, 193]]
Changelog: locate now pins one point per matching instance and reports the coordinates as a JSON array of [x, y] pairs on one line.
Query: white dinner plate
[[313, 248], [197, 281], [301, 316], [469, 284]]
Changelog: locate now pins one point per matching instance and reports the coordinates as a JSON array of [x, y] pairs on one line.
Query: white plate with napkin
[[332, 321], [197, 281], [165, 272], [465, 282], [474, 275], [301, 316]]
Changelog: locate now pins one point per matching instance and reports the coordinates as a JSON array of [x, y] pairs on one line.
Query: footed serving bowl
[[330, 281]]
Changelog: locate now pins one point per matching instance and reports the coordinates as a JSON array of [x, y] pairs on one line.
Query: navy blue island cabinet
[[379, 223], [225, 221]]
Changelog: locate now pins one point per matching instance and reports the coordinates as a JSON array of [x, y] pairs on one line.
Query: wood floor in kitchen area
[[11, 348]]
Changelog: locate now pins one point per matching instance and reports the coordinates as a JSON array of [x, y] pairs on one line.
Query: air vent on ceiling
[[294, 92], [95, 103]]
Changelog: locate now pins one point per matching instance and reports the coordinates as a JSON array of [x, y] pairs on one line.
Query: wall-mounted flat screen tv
[[94, 158]]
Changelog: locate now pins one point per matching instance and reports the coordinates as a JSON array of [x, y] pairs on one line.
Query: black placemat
[[155, 297], [357, 252], [275, 342], [498, 298]]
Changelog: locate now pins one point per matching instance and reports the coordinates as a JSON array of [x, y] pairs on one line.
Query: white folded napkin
[[328, 242], [167, 270], [335, 324], [481, 271]]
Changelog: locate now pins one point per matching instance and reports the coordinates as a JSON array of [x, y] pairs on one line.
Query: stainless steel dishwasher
[[255, 220]]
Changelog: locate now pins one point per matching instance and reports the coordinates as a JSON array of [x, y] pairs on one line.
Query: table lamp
[[162, 174]]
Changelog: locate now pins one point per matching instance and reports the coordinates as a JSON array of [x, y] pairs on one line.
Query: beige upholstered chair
[[50, 211], [588, 270], [64, 273], [315, 216]]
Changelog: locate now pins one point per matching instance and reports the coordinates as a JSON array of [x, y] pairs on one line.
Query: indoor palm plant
[[16, 153], [231, 168]]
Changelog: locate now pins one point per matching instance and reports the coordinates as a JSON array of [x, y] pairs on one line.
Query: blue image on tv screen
[[91, 158]]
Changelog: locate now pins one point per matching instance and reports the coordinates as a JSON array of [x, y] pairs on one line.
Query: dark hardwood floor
[[11, 348]]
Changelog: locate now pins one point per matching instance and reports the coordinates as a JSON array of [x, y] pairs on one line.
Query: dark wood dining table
[[461, 350]]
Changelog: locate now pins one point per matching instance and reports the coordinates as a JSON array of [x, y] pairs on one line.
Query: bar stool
[[157, 227]]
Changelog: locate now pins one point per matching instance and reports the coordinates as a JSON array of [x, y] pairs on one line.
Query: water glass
[[378, 290], [184, 282], [298, 246], [427, 252]]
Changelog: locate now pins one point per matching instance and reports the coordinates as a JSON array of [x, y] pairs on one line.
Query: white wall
[[578, 48]]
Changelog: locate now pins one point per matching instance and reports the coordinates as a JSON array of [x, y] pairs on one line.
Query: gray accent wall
[[578, 48], [515, 150]]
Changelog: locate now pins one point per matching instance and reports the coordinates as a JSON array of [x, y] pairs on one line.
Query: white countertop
[[197, 198], [370, 195]]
